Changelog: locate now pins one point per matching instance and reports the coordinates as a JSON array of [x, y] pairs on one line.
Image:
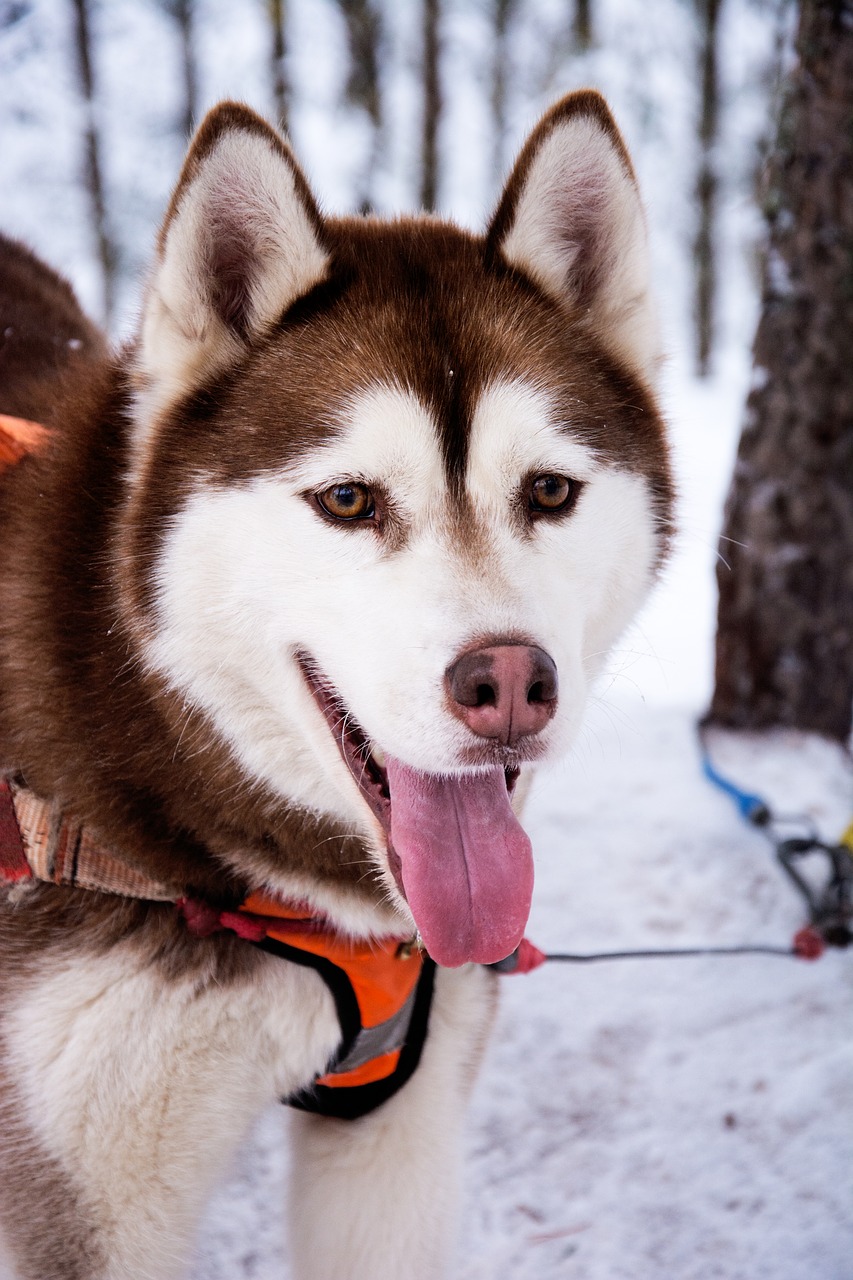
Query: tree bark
[[93, 168], [432, 104], [785, 637], [704, 246]]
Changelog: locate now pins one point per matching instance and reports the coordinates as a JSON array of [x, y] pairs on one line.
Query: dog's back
[[46, 342]]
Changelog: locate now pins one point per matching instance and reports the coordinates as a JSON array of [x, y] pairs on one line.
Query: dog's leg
[[376, 1198], [126, 1092]]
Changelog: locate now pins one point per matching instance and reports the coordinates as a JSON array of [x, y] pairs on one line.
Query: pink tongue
[[467, 866]]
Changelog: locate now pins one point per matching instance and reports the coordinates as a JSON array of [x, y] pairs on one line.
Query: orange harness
[[382, 990], [382, 987]]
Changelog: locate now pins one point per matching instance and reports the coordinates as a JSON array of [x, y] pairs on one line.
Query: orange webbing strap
[[370, 1072], [383, 972], [18, 437]]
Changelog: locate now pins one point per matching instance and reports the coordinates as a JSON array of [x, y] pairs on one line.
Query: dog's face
[[396, 491]]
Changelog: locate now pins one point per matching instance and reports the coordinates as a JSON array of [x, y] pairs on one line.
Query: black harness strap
[[353, 1101]]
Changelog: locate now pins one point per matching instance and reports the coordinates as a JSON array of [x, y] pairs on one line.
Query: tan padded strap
[[61, 851]]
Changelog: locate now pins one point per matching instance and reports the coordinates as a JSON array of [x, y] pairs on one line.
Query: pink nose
[[503, 691]]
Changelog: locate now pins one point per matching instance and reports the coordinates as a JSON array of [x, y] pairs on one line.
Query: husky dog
[[294, 591]]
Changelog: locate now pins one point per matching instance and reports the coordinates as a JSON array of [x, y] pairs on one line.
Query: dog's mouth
[[455, 848]]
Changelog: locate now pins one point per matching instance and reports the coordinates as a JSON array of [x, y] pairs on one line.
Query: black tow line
[[829, 905]]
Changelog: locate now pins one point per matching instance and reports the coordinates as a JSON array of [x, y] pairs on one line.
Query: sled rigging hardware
[[795, 837], [830, 906]]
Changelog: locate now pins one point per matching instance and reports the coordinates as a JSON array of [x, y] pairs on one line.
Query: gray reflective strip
[[372, 1042]]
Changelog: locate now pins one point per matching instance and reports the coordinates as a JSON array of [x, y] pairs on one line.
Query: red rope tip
[[529, 956], [808, 943], [245, 926], [201, 920], [12, 875]]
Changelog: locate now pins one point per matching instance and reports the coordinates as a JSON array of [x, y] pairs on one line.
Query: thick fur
[[164, 564]]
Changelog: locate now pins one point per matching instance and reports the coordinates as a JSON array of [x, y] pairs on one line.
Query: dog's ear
[[242, 240], [570, 218]]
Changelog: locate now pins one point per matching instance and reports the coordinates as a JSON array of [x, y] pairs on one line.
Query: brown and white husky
[[295, 589]]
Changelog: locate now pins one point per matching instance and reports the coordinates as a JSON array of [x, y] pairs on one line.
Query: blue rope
[[751, 807]]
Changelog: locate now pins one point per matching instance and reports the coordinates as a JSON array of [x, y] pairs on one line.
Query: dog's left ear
[[242, 240], [570, 219]]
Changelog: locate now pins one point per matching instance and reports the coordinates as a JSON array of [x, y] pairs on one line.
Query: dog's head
[[396, 489]]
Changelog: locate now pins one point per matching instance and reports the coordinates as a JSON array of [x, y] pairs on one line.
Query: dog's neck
[[114, 747]]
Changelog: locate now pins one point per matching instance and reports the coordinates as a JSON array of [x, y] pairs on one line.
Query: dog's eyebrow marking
[[388, 438], [515, 429]]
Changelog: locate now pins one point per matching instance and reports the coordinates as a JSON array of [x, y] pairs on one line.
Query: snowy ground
[[646, 1120]]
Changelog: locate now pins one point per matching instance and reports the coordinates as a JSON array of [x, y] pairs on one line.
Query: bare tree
[[93, 167], [276, 11], [503, 11], [363, 88], [785, 636], [432, 103], [704, 245], [582, 25], [183, 12]]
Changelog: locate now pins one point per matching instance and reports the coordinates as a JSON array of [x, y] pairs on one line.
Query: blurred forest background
[[392, 105]]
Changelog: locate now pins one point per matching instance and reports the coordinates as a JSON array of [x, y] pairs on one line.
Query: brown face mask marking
[[415, 303]]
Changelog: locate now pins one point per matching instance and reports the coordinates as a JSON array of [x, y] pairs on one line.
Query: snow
[[640, 1120], [687, 1119]]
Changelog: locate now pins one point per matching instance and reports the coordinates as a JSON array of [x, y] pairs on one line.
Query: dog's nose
[[503, 691]]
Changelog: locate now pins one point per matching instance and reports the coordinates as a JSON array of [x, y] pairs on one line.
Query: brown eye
[[551, 493], [349, 501]]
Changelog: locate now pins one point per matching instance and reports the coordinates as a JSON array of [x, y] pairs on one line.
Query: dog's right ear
[[242, 240]]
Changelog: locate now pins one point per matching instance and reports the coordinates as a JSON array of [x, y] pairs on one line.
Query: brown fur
[[440, 312], [45, 339], [77, 716], [69, 1249]]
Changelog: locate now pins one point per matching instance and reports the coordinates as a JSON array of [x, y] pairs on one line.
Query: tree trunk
[[363, 90], [582, 25], [785, 637], [183, 14], [93, 168], [280, 85], [432, 105], [503, 11], [704, 246]]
